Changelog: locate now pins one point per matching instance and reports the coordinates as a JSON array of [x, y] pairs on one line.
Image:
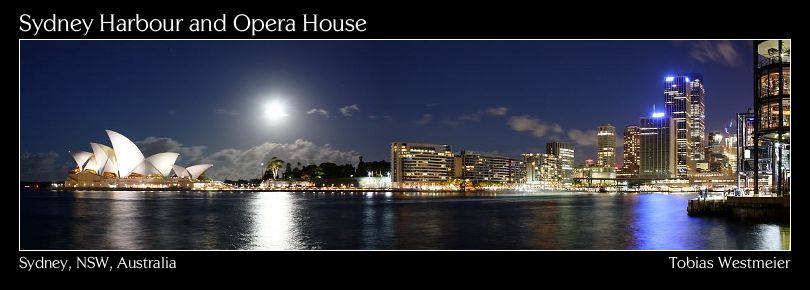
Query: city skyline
[[201, 99]]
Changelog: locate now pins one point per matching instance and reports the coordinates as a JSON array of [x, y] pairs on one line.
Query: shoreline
[[405, 190]]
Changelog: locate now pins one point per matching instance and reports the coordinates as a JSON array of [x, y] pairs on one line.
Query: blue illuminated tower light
[[657, 114]]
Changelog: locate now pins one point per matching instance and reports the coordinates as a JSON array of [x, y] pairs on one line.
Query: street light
[[261, 172]]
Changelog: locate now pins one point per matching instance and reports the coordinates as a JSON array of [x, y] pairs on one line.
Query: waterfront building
[[564, 152], [124, 166], [772, 114], [479, 167], [630, 156], [606, 143], [542, 170], [657, 150], [595, 175], [517, 170], [419, 165], [677, 101]]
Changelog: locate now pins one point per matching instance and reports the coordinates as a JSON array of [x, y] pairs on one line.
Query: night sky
[[206, 99]]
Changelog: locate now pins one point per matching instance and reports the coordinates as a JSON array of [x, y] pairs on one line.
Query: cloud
[[321, 112], [349, 110], [431, 104], [245, 164], [476, 116], [372, 117], [715, 51], [43, 167], [189, 155], [234, 163], [536, 127], [221, 111], [426, 118], [497, 111], [172, 113], [579, 137]]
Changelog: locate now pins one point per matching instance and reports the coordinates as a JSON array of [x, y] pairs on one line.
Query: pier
[[754, 208]]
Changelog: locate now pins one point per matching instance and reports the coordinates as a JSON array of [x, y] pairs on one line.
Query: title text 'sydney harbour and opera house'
[[124, 166]]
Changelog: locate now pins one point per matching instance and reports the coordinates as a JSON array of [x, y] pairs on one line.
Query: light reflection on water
[[378, 220]]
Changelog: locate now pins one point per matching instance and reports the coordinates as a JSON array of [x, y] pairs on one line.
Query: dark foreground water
[[282, 220]]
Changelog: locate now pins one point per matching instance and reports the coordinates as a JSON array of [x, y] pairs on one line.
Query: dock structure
[[776, 209]]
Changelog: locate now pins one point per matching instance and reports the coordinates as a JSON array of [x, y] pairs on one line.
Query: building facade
[[630, 156], [487, 168], [746, 152], [542, 169], [420, 164], [772, 114], [678, 103], [606, 143], [564, 152], [657, 149], [517, 170], [697, 117]]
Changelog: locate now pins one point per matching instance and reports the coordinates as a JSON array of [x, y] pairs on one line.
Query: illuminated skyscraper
[[632, 145], [657, 151], [565, 160], [697, 119], [678, 103], [606, 143]]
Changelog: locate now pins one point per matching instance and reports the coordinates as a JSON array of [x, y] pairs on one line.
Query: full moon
[[275, 111]]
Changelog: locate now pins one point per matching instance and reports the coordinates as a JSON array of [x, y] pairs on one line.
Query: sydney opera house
[[124, 166]]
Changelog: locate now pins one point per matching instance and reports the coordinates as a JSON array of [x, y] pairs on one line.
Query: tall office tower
[[541, 169], [632, 145], [481, 167], [772, 114], [657, 150], [697, 119], [565, 160], [417, 163], [606, 143], [678, 103]]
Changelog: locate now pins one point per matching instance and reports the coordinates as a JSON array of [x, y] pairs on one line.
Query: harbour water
[[133, 220]]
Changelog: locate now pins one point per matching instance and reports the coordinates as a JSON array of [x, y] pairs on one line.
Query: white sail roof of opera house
[[162, 162], [180, 171], [126, 153], [192, 171], [198, 170], [124, 159], [105, 157], [81, 158]]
